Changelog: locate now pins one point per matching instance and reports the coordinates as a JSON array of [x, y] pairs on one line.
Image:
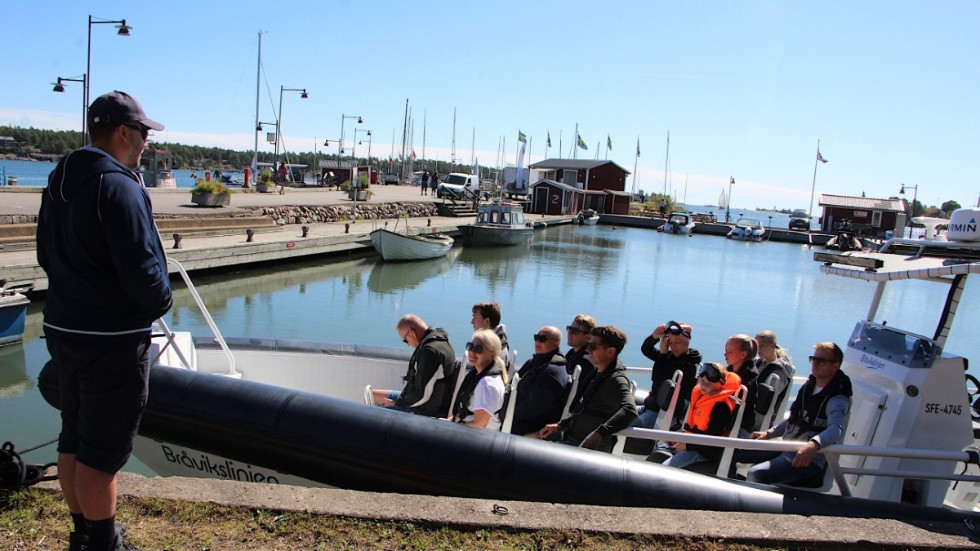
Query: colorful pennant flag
[[581, 143], [521, 137], [820, 157]]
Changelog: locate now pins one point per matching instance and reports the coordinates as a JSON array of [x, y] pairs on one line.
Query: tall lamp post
[[340, 143], [302, 95], [915, 193], [355, 144], [123, 31], [58, 87]]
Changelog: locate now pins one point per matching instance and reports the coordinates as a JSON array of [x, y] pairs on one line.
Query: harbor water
[[632, 278]]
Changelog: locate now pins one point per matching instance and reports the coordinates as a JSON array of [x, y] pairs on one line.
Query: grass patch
[[38, 519]]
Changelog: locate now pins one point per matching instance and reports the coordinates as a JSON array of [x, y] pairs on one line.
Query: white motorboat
[[587, 217], [400, 246], [13, 313], [679, 223], [274, 411], [498, 223], [747, 229]]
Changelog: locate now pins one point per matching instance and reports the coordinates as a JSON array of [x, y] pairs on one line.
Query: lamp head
[[58, 87], [304, 95], [359, 120], [123, 28], [902, 191], [326, 143]]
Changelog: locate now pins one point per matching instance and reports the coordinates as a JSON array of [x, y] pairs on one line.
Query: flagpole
[[666, 158], [728, 204], [813, 186], [424, 114], [575, 143], [560, 131], [635, 160]]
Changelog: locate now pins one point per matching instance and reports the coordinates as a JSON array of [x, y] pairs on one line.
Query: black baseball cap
[[119, 108]]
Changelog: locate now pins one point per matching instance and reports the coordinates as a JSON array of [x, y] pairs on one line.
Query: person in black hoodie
[[669, 346], [432, 371], [107, 283]]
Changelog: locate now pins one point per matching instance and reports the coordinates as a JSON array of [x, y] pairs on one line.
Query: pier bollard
[[346, 228], [428, 222], [177, 238], [251, 235], [306, 231]]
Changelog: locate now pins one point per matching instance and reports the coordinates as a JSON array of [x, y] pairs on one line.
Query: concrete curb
[[464, 513]]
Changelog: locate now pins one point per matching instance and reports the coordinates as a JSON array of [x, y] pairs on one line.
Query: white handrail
[[207, 315], [170, 344]]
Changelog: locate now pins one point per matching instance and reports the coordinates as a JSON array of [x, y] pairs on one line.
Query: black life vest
[[461, 408], [809, 411]]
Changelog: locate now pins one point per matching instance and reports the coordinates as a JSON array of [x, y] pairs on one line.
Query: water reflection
[[388, 277], [13, 371], [499, 266]]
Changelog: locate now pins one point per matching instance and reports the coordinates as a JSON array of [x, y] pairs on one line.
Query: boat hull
[[13, 314], [396, 246], [490, 236]]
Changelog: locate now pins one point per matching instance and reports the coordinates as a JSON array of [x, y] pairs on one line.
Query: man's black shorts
[[103, 389]]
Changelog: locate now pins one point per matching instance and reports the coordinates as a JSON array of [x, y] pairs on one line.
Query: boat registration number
[[944, 409]]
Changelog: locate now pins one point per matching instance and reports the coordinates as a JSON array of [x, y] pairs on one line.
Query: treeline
[[40, 144]]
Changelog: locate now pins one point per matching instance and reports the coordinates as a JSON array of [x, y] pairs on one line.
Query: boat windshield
[[518, 217], [893, 345]]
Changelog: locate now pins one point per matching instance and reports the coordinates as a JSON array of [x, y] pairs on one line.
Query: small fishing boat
[[678, 222], [588, 217], [156, 167], [400, 246], [747, 229], [13, 313], [498, 223]]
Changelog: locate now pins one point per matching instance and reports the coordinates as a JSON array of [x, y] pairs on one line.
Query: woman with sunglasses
[[712, 413], [481, 394], [740, 352]]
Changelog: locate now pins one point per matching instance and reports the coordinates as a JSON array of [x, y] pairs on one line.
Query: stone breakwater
[[339, 213]]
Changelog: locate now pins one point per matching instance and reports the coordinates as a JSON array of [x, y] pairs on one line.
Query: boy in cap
[[108, 282]]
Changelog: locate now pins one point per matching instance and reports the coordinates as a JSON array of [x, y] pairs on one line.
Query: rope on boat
[[15, 474]]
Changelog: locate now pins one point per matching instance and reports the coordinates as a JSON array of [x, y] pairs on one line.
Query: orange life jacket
[[699, 414]]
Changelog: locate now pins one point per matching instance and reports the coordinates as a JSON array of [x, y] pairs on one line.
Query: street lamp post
[[915, 193], [302, 95], [340, 143], [58, 87], [123, 31], [353, 148]]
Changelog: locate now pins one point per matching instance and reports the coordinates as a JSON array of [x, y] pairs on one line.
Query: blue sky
[[745, 88]]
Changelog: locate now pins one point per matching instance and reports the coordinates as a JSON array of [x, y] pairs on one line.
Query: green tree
[[949, 206]]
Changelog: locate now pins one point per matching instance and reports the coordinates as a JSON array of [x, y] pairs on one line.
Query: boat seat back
[[460, 375], [510, 402], [571, 390]]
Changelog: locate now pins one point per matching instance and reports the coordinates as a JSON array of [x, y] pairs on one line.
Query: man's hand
[[678, 447], [806, 454], [547, 431], [759, 435], [659, 331], [591, 441]]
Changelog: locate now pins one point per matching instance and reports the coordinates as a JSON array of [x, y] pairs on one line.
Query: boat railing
[[832, 453], [232, 371]]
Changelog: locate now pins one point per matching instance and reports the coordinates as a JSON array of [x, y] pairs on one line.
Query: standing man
[[607, 406], [431, 376], [107, 283], [669, 346], [817, 417], [541, 389]]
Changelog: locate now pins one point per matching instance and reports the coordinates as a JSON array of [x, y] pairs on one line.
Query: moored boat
[[13, 313], [399, 246], [747, 229], [498, 223], [587, 217], [679, 223]]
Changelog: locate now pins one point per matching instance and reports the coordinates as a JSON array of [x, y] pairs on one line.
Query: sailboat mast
[[452, 151], [424, 113], [404, 137], [666, 158]]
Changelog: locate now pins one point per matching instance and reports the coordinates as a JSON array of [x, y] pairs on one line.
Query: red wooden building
[[567, 186], [866, 215]]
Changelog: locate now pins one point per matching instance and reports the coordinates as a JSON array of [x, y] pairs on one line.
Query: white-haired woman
[[481, 395]]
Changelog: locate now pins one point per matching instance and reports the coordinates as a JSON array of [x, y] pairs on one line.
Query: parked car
[[799, 220], [457, 185], [391, 179]]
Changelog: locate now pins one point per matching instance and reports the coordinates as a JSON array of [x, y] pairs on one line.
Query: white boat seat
[[572, 391], [511, 403], [368, 395]]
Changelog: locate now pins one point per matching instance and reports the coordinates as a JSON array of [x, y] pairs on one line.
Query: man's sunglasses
[[574, 330], [541, 338], [820, 361], [592, 346], [144, 131], [475, 347]]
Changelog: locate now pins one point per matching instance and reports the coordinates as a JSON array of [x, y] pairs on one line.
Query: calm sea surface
[[634, 279]]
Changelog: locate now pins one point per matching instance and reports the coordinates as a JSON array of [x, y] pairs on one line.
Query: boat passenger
[[773, 360], [432, 371], [607, 406], [486, 315], [669, 346], [818, 417], [481, 394], [740, 352], [712, 413], [578, 354], [542, 388]]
